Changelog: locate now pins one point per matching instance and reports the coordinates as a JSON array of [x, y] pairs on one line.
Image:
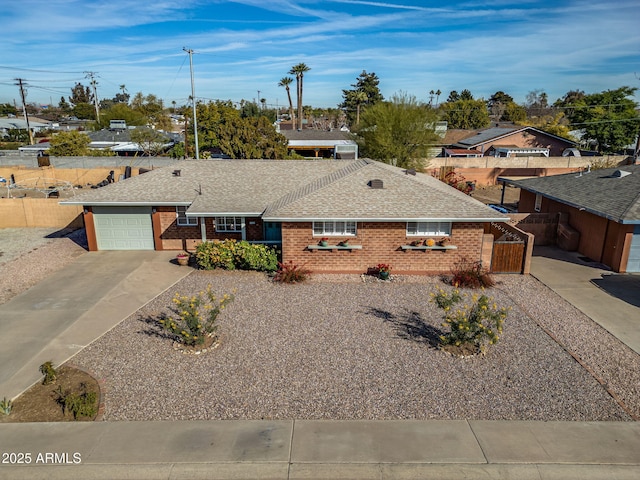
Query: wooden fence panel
[[508, 257]]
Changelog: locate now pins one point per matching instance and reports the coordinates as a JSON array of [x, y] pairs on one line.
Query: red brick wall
[[380, 244], [174, 237]]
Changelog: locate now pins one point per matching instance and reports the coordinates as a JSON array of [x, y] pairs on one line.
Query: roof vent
[[176, 173], [620, 173], [376, 183]]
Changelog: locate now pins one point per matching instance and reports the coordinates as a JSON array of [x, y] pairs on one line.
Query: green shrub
[[196, 316], [231, 254], [83, 404], [6, 406], [291, 273], [470, 274], [50, 373], [477, 322]]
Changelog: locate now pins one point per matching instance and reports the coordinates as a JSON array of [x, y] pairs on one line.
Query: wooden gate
[[508, 256], [509, 248]]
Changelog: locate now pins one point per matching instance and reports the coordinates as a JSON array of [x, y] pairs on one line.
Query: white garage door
[[123, 228]]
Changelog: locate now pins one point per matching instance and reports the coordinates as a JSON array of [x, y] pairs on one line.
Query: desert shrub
[[196, 316], [471, 319], [231, 254], [50, 373], [6, 406], [470, 274], [291, 273], [83, 404]]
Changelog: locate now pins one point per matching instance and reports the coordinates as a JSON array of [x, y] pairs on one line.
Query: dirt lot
[[492, 194]]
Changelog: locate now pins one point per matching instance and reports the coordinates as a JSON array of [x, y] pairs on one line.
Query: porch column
[[203, 229]]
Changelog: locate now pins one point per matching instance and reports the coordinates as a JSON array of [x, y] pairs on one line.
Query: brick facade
[[177, 237], [381, 243]]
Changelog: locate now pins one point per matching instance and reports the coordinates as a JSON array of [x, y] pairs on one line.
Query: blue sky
[[245, 46]]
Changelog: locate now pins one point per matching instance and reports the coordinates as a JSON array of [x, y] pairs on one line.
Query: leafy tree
[[609, 117], [466, 95], [121, 111], [80, 94], [8, 109], [299, 70], [353, 100], [502, 107], [465, 114], [222, 128], [85, 111], [454, 96], [151, 141], [514, 113], [399, 131], [555, 125], [63, 105], [285, 82], [537, 104], [72, 144]]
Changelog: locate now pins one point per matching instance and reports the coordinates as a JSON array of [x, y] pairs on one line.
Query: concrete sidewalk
[[609, 299], [71, 308], [306, 449]]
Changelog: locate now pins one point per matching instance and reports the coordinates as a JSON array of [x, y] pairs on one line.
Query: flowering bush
[[196, 316], [291, 273], [383, 267], [476, 323], [467, 273]]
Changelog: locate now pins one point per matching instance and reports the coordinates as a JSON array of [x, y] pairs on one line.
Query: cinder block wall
[[380, 243], [38, 212]]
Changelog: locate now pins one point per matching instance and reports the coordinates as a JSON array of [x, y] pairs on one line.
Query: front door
[[273, 231]]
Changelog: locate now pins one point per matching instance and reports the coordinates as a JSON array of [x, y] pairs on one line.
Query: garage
[[123, 228]]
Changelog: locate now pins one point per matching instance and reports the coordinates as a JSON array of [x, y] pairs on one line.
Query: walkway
[[70, 309]]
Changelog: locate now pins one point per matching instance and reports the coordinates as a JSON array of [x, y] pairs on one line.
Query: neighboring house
[[506, 142], [14, 123], [602, 211], [379, 209], [116, 140], [321, 143]]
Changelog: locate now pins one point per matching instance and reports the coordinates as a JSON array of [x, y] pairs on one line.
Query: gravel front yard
[[339, 348]]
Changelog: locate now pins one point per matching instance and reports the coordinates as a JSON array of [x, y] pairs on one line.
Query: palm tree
[[298, 70], [360, 97], [285, 82], [438, 93]]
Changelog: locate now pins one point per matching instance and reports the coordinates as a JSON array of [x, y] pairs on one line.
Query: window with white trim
[[334, 229], [432, 229], [183, 220], [228, 224]]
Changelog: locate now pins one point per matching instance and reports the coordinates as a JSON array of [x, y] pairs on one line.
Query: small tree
[[399, 131], [71, 144], [151, 141]]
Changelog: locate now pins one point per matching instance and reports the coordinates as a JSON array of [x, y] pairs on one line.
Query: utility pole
[[24, 109], [193, 101], [95, 94]]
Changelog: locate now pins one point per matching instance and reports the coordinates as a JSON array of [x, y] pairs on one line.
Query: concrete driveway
[[609, 299], [71, 308]]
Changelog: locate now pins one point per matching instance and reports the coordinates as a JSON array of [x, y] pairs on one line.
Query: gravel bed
[[27, 255], [341, 348]]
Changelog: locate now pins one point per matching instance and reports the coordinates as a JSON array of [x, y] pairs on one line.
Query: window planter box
[[334, 247], [424, 247]]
